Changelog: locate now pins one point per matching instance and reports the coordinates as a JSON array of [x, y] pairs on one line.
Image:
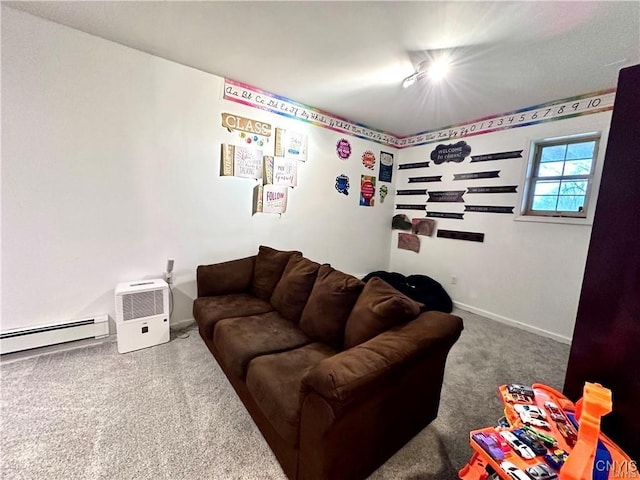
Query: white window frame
[[593, 182]]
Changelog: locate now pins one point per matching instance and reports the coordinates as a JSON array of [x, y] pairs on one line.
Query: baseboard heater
[[20, 339]]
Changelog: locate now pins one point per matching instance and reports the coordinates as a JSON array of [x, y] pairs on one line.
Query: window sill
[[543, 219]]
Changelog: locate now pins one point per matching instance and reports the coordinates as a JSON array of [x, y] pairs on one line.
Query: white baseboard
[[515, 323], [182, 324]]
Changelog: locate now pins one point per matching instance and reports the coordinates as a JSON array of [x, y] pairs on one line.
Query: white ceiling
[[349, 58]]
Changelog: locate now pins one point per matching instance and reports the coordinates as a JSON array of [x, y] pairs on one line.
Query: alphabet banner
[[557, 110], [435, 178], [496, 156], [498, 189], [457, 235], [256, 98], [475, 175], [446, 196], [488, 209]]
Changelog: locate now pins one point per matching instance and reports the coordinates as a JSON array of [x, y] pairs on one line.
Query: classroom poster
[[386, 167], [285, 172], [291, 144], [274, 199], [240, 161], [367, 190]]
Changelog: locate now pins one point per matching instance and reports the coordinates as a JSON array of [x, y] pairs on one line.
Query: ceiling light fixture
[[436, 70], [410, 80]]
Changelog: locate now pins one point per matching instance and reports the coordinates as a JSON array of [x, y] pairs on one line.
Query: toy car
[[568, 432], [520, 448], [499, 439], [531, 441], [503, 422], [541, 472], [489, 445], [554, 412], [517, 398], [514, 472], [548, 440], [531, 415], [556, 459], [515, 388]]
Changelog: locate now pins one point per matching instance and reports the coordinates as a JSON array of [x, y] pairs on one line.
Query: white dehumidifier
[[142, 314]]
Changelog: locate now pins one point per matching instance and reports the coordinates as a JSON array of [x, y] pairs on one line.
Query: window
[[560, 177]]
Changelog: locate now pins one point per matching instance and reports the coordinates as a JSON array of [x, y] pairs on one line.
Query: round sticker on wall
[[343, 149], [369, 159], [342, 184]]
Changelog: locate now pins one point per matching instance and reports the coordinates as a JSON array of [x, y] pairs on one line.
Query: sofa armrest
[[359, 371], [235, 276]]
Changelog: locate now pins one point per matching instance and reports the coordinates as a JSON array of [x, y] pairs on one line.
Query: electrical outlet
[[454, 279]]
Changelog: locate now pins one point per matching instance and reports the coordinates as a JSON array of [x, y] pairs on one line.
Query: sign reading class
[[236, 122]]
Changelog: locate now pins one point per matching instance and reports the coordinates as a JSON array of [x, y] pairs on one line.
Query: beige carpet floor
[[168, 412]]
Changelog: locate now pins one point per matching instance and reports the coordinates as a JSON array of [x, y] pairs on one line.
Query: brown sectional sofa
[[337, 374]]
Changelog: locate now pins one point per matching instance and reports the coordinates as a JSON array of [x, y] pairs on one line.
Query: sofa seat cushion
[[378, 308], [333, 296], [292, 291], [209, 310], [274, 382], [239, 340]]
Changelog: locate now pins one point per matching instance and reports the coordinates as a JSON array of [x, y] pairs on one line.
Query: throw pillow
[[292, 291], [331, 300], [379, 307], [270, 264]]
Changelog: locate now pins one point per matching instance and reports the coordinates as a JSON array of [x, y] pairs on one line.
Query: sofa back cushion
[[379, 307], [331, 300], [269, 265], [292, 291]]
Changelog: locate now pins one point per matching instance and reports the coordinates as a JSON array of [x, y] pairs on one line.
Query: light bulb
[[439, 69]]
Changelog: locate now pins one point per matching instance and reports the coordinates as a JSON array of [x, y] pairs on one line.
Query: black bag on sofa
[[420, 288]]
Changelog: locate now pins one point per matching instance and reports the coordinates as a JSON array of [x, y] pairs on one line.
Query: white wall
[[110, 161], [527, 273]]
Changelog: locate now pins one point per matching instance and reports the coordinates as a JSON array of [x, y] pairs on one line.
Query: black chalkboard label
[[454, 152], [446, 196], [419, 191], [488, 209], [498, 189], [456, 235], [436, 178], [474, 175], [496, 156], [404, 206], [406, 166], [457, 216]]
